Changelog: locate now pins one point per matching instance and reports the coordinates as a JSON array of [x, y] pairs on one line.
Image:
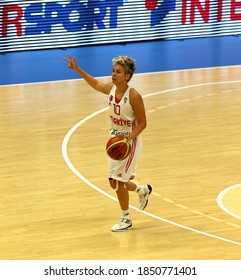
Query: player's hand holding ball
[[118, 147]]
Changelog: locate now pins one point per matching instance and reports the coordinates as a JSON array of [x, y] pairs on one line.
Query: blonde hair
[[127, 62]]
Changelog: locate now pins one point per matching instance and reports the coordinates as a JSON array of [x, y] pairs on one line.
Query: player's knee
[[114, 184]]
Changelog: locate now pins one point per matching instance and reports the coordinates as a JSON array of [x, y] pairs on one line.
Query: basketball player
[[128, 118]]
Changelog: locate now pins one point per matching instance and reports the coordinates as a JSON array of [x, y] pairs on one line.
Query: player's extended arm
[[93, 82]]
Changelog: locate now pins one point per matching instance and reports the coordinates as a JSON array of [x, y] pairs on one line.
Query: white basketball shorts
[[123, 170]]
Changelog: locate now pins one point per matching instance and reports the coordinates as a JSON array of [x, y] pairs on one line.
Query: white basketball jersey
[[122, 115], [123, 121]]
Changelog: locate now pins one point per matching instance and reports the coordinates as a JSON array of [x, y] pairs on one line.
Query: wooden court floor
[[55, 202]]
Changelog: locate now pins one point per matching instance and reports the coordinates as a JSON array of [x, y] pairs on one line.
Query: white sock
[[139, 189], [125, 213]]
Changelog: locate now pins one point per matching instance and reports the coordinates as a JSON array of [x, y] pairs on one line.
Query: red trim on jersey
[[117, 100]]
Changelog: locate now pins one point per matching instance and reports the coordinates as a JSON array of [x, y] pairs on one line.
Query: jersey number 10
[[116, 109]]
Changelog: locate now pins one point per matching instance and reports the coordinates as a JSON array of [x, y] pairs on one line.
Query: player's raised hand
[[72, 62]]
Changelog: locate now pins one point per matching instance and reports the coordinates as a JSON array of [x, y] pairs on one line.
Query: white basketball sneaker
[[143, 197], [123, 224]]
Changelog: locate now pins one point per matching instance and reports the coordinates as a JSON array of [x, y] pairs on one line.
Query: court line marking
[[194, 211], [85, 180], [220, 200]]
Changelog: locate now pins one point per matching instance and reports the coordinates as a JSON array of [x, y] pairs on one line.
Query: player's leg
[[130, 171], [122, 193], [124, 222], [143, 191]]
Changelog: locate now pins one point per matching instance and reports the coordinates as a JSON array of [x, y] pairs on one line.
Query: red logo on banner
[[204, 10], [151, 4]]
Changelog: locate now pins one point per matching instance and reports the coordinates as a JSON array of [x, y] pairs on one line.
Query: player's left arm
[[137, 103]]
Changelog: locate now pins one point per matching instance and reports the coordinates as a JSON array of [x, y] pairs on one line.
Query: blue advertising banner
[[29, 25]]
